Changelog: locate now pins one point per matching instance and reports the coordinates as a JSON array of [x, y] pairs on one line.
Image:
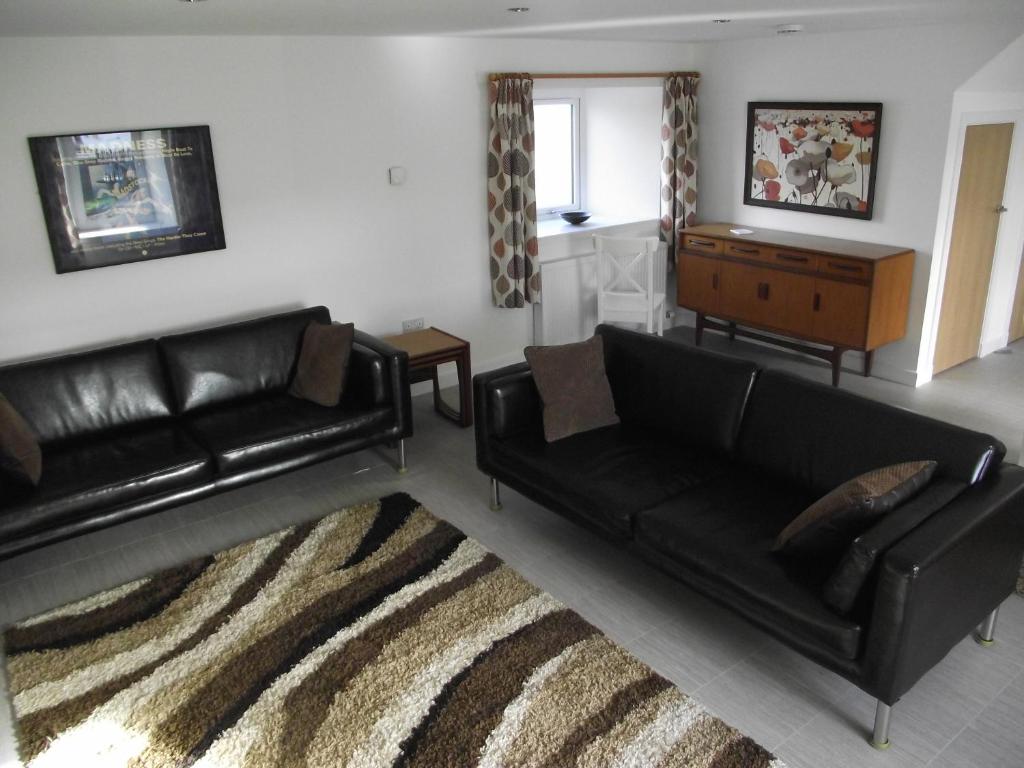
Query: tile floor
[[968, 711]]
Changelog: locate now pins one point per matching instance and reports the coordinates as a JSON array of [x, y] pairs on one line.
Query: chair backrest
[[630, 265]]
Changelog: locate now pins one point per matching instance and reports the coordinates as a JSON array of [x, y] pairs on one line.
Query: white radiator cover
[[568, 272]]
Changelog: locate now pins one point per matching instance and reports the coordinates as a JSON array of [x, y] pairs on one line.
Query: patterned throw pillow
[[573, 387], [826, 528], [323, 362], [20, 457]]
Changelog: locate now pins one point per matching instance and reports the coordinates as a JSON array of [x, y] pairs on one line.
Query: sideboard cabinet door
[[841, 312], [698, 282]]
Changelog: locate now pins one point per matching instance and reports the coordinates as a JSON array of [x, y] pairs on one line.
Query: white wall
[[304, 129], [913, 72]]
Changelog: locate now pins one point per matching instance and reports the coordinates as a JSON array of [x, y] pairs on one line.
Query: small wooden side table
[[429, 348]]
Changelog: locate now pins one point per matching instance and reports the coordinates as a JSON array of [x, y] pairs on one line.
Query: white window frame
[[577, 154]]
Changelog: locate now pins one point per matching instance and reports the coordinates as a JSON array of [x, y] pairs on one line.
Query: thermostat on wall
[[396, 175]]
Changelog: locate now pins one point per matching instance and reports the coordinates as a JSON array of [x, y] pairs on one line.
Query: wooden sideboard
[[842, 294]]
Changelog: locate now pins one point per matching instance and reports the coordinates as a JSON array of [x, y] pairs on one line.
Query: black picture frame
[[814, 157], [116, 197]]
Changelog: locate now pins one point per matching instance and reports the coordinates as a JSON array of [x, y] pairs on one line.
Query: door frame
[[978, 109]]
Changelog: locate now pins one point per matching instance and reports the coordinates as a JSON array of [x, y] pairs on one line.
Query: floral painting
[[815, 157]]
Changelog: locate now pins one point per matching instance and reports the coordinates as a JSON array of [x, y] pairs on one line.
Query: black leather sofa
[[714, 457], [132, 429]]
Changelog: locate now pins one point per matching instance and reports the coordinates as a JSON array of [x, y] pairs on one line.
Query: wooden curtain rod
[[589, 75]]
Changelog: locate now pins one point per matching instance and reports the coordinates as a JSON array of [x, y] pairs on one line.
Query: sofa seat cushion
[[719, 537], [264, 430], [605, 476], [106, 472]]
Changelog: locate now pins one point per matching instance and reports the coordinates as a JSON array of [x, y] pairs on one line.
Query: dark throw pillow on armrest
[[21, 460], [323, 362], [826, 528], [573, 387], [842, 589]]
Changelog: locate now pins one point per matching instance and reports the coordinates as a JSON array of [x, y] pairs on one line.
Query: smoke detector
[[789, 29]]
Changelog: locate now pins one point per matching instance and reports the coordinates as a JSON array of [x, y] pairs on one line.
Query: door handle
[[714, 282], [762, 291], [1002, 209], [817, 302]]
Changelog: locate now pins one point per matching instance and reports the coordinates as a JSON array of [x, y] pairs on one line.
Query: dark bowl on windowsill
[[575, 217]]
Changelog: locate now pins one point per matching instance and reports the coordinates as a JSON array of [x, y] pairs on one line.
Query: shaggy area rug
[[377, 636]]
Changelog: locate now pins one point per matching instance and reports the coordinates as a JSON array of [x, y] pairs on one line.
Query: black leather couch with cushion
[[714, 457], [132, 429]]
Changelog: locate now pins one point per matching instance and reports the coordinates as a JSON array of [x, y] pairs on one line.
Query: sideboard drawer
[[701, 244], [744, 251], [833, 265], [805, 262]]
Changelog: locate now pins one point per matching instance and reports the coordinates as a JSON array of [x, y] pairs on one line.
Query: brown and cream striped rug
[[377, 636]]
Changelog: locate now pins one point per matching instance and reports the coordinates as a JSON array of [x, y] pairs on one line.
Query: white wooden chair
[[631, 275]]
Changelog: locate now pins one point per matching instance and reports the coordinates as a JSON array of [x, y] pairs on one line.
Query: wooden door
[[697, 286], [972, 245], [841, 313], [1017, 319]]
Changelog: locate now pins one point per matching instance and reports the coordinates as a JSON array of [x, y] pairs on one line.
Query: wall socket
[[416, 324]]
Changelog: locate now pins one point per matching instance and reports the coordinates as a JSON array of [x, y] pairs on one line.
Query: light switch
[[396, 175]]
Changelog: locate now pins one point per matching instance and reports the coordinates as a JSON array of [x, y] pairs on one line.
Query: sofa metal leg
[[495, 496], [987, 630], [402, 468], [880, 736]]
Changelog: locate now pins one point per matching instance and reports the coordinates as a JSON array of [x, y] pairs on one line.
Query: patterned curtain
[[678, 157], [511, 200]]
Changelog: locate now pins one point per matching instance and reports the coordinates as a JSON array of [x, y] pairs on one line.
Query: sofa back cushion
[[675, 391], [820, 437], [229, 362], [77, 395]]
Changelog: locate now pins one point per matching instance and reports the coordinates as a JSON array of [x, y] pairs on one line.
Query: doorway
[[979, 207]]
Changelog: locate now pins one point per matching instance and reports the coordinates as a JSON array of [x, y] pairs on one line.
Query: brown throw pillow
[[826, 528], [20, 457], [323, 361], [573, 387]]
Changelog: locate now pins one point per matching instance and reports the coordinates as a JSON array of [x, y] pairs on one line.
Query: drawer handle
[[705, 243], [790, 257], [845, 267], [737, 249]]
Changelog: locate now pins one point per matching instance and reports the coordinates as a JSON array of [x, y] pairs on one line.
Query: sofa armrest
[[378, 376], [506, 403], [942, 579]]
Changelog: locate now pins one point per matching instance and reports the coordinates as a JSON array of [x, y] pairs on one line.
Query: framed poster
[[132, 195], [814, 157]]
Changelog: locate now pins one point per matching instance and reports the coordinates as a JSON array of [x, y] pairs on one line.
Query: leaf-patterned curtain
[[511, 199], [678, 157]]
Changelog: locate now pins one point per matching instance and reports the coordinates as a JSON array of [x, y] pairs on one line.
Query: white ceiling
[[652, 20]]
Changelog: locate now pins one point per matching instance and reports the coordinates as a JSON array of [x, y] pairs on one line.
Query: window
[[556, 124]]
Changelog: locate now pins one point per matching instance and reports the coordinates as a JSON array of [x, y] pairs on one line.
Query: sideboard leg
[[986, 634], [732, 331], [880, 736], [698, 329], [836, 359], [495, 495], [869, 358]]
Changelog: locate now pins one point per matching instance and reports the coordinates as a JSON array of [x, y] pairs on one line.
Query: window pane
[[553, 152]]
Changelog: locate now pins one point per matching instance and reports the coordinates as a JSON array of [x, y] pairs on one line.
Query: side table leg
[[837, 359], [402, 468], [465, 389], [869, 358], [698, 330]]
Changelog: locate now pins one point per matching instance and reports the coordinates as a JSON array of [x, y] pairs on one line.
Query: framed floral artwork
[[819, 157]]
